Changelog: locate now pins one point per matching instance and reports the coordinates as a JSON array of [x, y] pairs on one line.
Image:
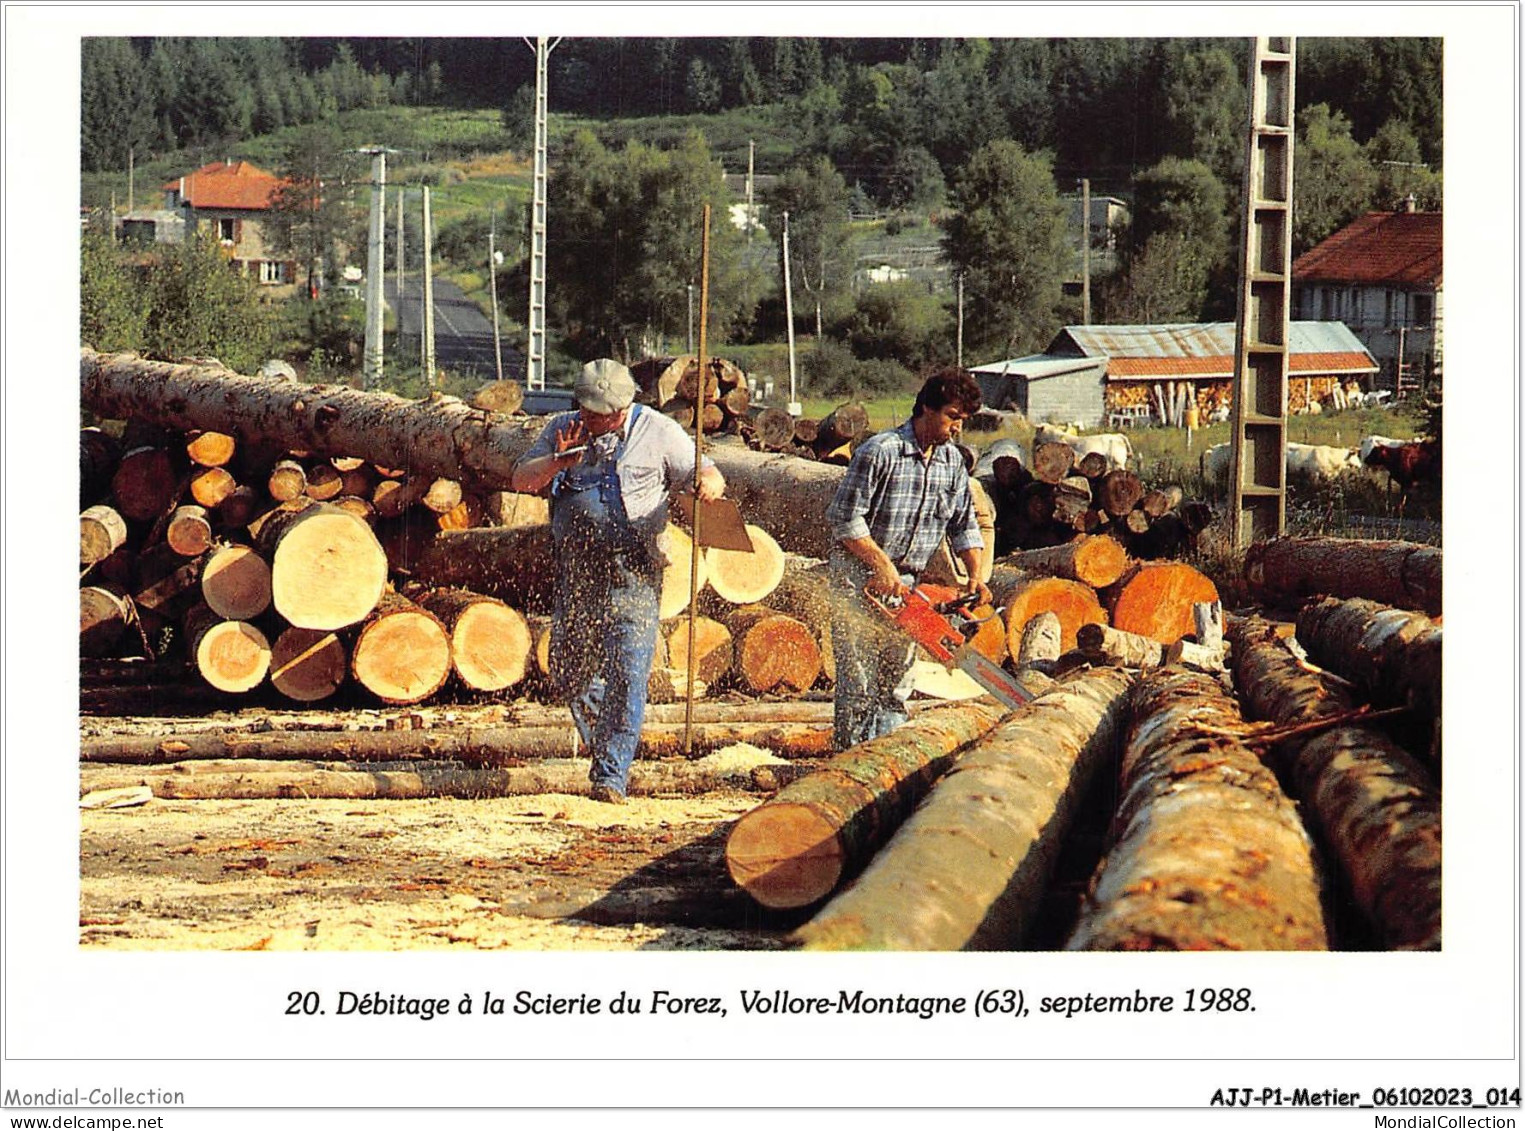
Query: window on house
[[225, 230], [1423, 310], [1325, 304], [273, 271]]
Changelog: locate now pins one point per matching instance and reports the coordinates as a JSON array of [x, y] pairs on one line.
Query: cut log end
[[233, 656], [785, 855], [1157, 601], [236, 583], [307, 664], [490, 646], [402, 656], [328, 569]]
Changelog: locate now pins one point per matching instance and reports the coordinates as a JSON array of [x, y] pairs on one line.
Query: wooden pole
[[693, 574], [428, 350]]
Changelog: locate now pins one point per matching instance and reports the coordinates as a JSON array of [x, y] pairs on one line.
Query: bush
[[831, 370], [901, 322]]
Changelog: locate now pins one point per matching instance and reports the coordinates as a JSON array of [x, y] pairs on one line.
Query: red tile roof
[[227, 184], [1396, 248], [1221, 366]]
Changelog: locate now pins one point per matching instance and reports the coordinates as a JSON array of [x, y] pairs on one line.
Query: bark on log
[[774, 652], [967, 870], [489, 640], [235, 583], [1392, 656], [239, 508], [785, 496], [324, 482], [742, 577], [796, 848], [1375, 806], [645, 779], [1025, 595], [1042, 640], [474, 746], [773, 428], [1052, 462], [511, 508], [102, 531], [99, 454], [439, 437], [1156, 601], [402, 652], [1405, 575], [1207, 852], [327, 570], [1097, 561], [844, 424], [308, 664]]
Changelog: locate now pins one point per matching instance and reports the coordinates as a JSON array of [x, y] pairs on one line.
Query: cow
[[1371, 443], [1114, 446], [1407, 464], [1311, 461]]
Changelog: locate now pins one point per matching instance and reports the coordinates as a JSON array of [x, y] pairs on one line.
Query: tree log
[[796, 848], [231, 655], [438, 437], [1207, 852], [1118, 492], [324, 482], [678, 579], [1156, 601], [103, 618], [1375, 806], [774, 652], [145, 484], [1392, 656], [742, 577], [211, 486], [785, 496], [489, 641], [327, 570], [402, 652], [287, 480], [239, 508], [189, 531], [1052, 462], [475, 746], [1043, 640], [1025, 595], [967, 870], [235, 583], [210, 449], [422, 782], [845, 424], [308, 664], [1097, 561], [1405, 575], [713, 649], [102, 531], [802, 594], [99, 454]]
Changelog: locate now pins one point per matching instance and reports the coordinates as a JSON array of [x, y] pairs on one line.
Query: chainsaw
[[945, 627]]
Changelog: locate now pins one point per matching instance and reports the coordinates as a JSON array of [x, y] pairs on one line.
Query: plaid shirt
[[905, 503]]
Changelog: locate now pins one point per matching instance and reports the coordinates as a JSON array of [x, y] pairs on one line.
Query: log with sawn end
[[799, 846], [1406, 575], [967, 870]]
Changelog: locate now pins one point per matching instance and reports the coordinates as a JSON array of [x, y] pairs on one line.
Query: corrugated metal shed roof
[[1395, 248], [1036, 365]]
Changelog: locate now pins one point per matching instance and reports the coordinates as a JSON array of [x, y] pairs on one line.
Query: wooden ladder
[[1262, 330]]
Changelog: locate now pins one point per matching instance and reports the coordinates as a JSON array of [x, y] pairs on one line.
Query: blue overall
[[604, 633]]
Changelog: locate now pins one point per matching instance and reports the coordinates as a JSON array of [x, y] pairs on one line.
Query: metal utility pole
[[492, 276], [534, 354], [751, 153], [795, 408], [428, 351], [1262, 345], [959, 337], [1085, 251], [401, 194], [370, 374]]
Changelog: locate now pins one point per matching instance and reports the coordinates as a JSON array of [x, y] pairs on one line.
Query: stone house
[[234, 201]]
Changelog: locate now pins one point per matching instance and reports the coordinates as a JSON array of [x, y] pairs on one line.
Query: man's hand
[[572, 435], [980, 588], [711, 484], [886, 582]]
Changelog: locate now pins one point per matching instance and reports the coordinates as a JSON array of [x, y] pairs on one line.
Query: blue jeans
[[873, 664], [603, 640]]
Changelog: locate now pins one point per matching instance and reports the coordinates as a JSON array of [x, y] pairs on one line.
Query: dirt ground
[[545, 871]]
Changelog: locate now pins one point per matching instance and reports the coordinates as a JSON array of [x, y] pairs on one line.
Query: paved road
[[462, 333]]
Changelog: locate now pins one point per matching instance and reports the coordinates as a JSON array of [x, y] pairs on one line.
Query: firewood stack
[[671, 385], [831, 439], [1060, 497]]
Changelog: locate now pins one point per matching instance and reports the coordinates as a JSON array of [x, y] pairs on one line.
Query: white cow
[[1311, 461], [1114, 446], [1370, 444]]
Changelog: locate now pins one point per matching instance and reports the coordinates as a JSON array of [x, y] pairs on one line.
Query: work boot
[[609, 794]]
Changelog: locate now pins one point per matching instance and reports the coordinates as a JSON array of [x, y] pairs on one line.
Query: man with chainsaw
[[904, 492], [610, 467]]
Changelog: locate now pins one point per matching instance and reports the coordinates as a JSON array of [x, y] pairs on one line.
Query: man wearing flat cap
[[609, 467]]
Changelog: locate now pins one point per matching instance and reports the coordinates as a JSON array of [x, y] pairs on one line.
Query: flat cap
[[604, 386]]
